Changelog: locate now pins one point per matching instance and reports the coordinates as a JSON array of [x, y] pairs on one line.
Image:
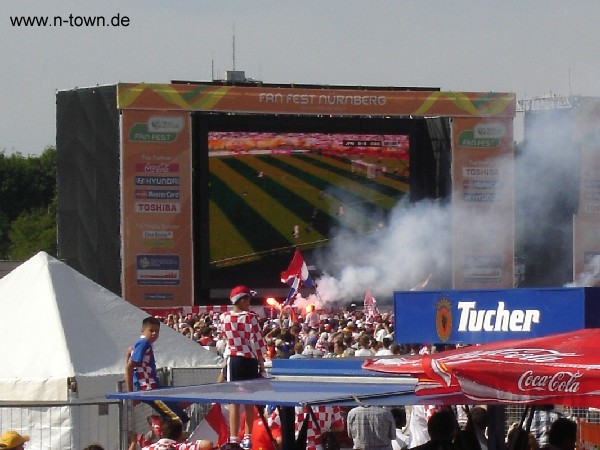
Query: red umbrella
[[558, 369]]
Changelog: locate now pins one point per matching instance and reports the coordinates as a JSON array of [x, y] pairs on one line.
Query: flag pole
[[318, 295]]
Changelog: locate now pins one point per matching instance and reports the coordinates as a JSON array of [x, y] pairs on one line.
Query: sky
[[530, 47]]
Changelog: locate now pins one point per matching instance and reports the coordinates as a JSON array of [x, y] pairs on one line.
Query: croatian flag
[[370, 304], [296, 276], [214, 426], [422, 284]]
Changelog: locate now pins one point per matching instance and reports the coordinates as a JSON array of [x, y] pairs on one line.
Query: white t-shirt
[[417, 428], [401, 441], [363, 352], [383, 352], [380, 334]]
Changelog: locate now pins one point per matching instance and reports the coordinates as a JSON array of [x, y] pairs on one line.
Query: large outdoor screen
[[271, 192]]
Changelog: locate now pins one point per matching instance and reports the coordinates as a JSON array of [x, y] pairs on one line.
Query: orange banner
[[482, 203], [322, 100], [156, 208]]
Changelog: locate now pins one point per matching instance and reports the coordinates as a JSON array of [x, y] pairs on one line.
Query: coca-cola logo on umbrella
[[558, 369], [558, 382]]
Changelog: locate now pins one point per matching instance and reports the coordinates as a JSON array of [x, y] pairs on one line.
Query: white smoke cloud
[[546, 189], [413, 244], [416, 241], [590, 277]]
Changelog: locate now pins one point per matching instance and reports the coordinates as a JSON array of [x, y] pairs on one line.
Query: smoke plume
[[416, 241]]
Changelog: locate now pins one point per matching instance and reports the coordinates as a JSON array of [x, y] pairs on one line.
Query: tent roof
[[61, 324]]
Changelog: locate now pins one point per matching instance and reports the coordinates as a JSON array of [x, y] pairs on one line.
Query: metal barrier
[[514, 413], [67, 426], [134, 418], [189, 377], [64, 426]]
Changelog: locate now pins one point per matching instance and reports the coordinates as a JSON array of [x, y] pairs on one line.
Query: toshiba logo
[[499, 319]]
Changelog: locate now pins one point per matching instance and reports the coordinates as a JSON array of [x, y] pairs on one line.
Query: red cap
[[240, 292]]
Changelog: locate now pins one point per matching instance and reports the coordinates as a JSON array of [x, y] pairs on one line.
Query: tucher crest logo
[[443, 319]]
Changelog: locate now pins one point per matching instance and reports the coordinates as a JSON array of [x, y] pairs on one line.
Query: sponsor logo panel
[[480, 172], [158, 296], [156, 181], [158, 129], [158, 270], [165, 124], [443, 319], [140, 133], [489, 130], [149, 207], [156, 167], [155, 194], [500, 319], [483, 268], [481, 184], [158, 243], [157, 234], [563, 381]]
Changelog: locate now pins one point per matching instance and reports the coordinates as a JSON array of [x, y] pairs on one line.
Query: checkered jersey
[[328, 416], [242, 333], [169, 444], [144, 374]]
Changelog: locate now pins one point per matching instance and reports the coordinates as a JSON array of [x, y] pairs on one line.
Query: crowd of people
[[367, 427], [308, 333], [248, 343]]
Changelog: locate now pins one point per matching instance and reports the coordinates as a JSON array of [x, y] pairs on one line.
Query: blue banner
[[480, 316]]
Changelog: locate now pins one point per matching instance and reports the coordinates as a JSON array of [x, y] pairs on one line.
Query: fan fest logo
[[158, 129], [443, 319]]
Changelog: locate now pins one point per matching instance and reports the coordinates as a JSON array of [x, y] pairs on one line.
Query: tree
[[32, 232], [27, 195]]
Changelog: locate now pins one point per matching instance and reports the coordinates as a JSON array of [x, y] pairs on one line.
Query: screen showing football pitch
[[270, 192]]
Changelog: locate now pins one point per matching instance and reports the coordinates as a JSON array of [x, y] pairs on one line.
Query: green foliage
[[32, 232], [27, 204], [4, 227]]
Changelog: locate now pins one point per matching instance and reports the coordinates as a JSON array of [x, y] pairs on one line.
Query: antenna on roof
[[212, 66], [233, 52]]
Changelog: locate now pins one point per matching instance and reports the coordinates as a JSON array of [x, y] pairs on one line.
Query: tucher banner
[[480, 316]]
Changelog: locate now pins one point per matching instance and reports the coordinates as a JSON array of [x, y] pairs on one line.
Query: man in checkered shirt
[[371, 427], [245, 352]]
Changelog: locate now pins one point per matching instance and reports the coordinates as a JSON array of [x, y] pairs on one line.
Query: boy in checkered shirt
[[140, 371], [245, 351]]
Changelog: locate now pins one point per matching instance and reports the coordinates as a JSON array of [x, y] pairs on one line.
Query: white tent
[[57, 325]]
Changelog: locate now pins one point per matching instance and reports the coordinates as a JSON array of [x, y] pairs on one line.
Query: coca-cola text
[[563, 381]]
